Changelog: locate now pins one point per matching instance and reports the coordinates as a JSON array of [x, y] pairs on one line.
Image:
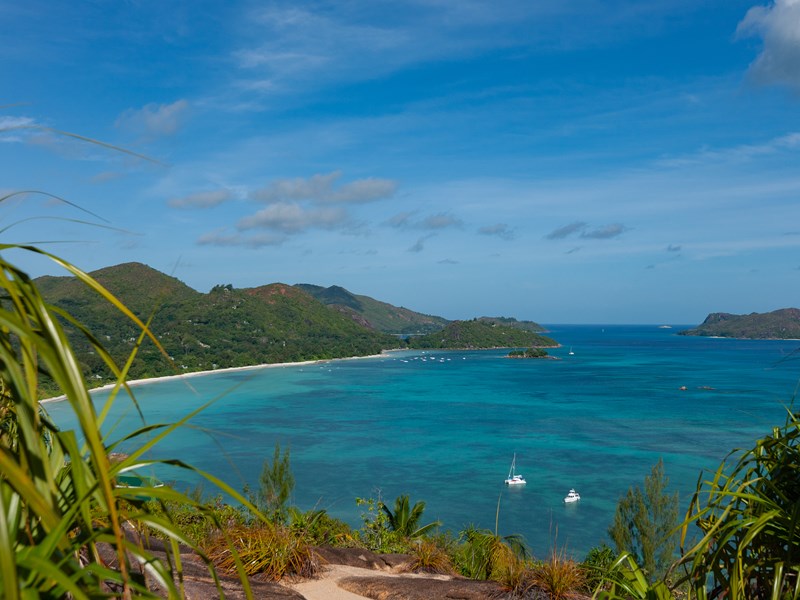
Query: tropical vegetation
[[63, 513], [783, 324], [477, 333], [529, 353], [645, 523]]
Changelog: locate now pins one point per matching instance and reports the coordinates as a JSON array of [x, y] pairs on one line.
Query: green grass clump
[[429, 557], [559, 576], [270, 551]]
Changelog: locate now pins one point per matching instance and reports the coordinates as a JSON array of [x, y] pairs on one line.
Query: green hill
[[512, 322], [780, 324], [478, 334], [225, 328], [375, 314]]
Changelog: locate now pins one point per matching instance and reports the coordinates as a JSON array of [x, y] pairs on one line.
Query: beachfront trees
[[405, 518], [645, 523], [277, 484]]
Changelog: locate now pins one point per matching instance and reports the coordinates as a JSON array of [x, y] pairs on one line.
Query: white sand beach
[[186, 376]]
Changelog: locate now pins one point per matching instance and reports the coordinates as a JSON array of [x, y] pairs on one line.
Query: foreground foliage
[[645, 522], [750, 522], [61, 508]]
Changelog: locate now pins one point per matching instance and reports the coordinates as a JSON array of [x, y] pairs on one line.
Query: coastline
[[149, 380]]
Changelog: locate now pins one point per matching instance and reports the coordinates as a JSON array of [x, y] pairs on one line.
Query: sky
[[579, 161]]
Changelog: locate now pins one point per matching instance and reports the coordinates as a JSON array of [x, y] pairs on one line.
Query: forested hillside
[[783, 324], [226, 327], [478, 333], [374, 313]]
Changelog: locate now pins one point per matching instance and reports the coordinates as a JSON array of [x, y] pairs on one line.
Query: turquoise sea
[[443, 426]]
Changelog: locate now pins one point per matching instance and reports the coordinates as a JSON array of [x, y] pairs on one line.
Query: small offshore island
[[531, 353]]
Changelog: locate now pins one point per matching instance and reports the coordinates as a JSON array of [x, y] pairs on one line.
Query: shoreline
[[149, 380]]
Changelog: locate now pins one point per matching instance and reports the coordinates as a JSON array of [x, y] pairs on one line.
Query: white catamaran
[[513, 478]]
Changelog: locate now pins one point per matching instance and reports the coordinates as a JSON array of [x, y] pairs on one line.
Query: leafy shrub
[[319, 528], [596, 565], [484, 555], [376, 533]]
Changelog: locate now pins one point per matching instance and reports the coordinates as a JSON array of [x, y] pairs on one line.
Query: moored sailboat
[[513, 478]]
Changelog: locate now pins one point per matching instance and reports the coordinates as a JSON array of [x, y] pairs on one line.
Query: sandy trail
[[327, 588]]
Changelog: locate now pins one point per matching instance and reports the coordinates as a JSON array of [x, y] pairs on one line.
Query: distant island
[[274, 323], [529, 353], [783, 324]]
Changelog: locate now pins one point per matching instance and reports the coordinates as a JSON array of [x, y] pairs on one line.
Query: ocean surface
[[443, 426]]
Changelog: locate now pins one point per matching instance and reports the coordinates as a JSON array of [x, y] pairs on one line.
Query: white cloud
[[221, 238], [778, 25], [16, 123], [293, 218], [321, 188], [155, 120], [201, 199]]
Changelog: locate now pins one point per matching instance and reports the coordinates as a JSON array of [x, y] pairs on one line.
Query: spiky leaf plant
[[750, 522], [61, 511]]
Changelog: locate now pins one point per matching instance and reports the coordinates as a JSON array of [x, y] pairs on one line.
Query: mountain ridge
[[781, 324]]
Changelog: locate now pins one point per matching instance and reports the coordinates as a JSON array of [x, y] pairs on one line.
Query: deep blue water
[[443, 426]]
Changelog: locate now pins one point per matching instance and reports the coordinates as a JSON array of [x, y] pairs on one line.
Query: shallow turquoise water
[[443, 426]]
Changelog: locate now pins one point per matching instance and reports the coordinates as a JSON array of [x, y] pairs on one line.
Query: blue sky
[[580, 161]]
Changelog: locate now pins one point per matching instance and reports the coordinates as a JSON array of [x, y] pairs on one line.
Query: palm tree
[[405, 519]]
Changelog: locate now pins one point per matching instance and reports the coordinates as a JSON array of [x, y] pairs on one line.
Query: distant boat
[[665, 326], [570, 351], [513, 478], [572, 496]]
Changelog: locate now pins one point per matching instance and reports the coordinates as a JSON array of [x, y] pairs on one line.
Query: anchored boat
[[513, 478]]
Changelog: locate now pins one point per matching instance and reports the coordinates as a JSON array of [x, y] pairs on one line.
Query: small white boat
[[513, 478], [570, 351], [572, 496]]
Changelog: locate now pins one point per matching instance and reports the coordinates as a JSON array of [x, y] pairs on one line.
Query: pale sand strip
[[326, 587], [139, 382]]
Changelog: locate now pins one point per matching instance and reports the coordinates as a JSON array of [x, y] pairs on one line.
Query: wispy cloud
[[501, 230], [581, 229], [566, 230], [406, 220], [206, 199], [293, 218], [419, 245], [673, 248], [777, 25], [605, 233], [293, 206], [287, 47], [220, 238], [155, 120], [321, 188], [739, 153]]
